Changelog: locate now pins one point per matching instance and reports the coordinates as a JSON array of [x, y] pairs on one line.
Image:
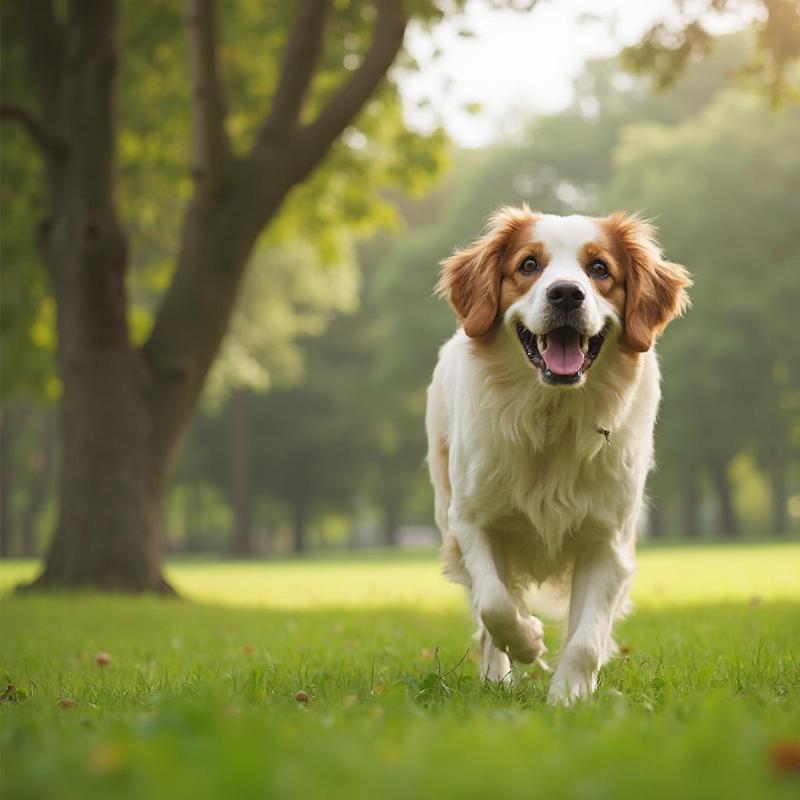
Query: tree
[[125, 406], [774, 64], [722, 186]]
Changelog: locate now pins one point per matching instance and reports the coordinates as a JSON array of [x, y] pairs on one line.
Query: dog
[[540, 419]]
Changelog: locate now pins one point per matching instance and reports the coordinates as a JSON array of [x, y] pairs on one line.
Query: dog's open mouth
[[563, 354]]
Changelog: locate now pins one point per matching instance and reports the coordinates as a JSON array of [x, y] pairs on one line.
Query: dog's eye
[[529, 266], [598, 269]]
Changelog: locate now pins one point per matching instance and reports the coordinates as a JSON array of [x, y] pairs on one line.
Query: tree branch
[[211, 145], [43, 139], [297, 67], [342, 108]]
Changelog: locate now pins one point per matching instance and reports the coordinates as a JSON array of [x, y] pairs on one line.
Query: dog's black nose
[[565, 295]]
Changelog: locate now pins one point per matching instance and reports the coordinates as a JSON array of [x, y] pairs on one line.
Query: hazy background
[[311, 433]]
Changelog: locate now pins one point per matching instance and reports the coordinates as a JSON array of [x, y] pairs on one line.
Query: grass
[[199, 698]]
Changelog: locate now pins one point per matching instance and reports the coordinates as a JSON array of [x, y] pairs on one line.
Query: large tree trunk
[[691, 503], [112, 478], [124, 409], [241, 490], [727, 521], [780, 517]]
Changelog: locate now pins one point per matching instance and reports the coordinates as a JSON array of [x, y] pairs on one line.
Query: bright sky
[[517, 64]]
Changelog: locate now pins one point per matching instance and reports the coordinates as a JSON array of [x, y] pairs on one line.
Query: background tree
[[125, 406]]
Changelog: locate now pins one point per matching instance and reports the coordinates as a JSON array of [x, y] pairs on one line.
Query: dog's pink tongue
[[563, 354]]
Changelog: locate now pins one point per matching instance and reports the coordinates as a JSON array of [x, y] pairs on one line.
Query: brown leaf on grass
[[68, 703], [624, 649], [248, 649], [302, 697], [755, 601], [102, 659], [785, 755]]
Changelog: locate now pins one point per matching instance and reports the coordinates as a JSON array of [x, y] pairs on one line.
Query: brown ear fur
[[471, 277], [655, 289]]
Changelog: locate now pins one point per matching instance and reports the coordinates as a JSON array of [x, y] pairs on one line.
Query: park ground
[[355, 677]]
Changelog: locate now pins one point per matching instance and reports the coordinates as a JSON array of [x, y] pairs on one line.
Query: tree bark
[[727, 521], [240, 463], [691, 502], [112, 482]]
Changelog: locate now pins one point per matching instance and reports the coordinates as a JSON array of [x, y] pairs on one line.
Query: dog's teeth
[[585, 344], [541, 342]]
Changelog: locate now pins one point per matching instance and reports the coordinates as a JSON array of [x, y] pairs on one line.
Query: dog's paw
[[519, 635], [528, 645], [567, 688], [575, 676]]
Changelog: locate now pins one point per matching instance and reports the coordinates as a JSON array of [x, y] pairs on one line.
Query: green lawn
[[199, 697]]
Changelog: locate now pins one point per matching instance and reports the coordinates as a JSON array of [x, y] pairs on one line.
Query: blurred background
[[308, 435]]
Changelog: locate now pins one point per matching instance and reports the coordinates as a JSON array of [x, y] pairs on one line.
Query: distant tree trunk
[[391, 523], [655, 520], [241, 490], [125, 409], [727, 521], [39, 491], [691, 502], [299, 525], [780, 518]]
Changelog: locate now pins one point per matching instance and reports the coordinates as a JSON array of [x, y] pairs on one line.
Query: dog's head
[[562, 284]]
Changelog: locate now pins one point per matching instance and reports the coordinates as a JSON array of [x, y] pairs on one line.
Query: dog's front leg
[[599, 581], [513, 631]]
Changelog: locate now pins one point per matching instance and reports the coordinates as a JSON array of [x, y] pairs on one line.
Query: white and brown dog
[[540, 426]]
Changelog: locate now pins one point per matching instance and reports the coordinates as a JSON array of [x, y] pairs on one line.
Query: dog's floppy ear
[[655, 289], [471, 277]]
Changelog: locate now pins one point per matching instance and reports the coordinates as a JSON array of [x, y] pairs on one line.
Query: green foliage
[[774, 65], [316, 230], [200, 698], [720, 185]]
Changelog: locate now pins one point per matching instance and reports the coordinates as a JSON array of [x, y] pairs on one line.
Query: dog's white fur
[[528, 487]]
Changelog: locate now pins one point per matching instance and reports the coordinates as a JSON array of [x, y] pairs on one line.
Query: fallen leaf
[[302, 697], [67, 702], [102, 659], [785, 755], [248, 649], [624, 649]]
